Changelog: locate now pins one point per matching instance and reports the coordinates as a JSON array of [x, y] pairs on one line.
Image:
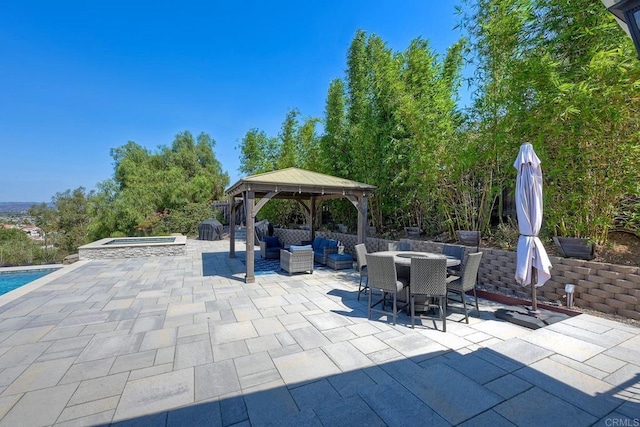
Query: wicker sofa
[[299, 259], [323, 247], [270, 247]]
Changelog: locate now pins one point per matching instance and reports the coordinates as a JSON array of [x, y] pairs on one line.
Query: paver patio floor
[[155, 341]]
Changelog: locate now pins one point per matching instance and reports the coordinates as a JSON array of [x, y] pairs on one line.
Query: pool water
[[141, 241], [10, 280]]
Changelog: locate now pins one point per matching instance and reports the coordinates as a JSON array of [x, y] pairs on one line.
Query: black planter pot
[[573, 247]]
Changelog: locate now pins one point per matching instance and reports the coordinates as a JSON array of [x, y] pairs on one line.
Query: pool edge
[[25, 289]]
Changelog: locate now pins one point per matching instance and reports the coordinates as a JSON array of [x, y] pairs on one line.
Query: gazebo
[[304, 186]]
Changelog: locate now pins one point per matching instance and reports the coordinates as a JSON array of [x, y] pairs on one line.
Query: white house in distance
[[32, 231]]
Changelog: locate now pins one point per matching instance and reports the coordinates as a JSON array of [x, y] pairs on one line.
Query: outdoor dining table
[[403, 266], [403, 258]]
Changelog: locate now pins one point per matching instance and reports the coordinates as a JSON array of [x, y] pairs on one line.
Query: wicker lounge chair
[[322, 248], [297, 260], [270, 247]]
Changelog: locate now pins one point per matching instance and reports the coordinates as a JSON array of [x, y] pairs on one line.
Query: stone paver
[[41, 407], [346, 356], [39, 375], [99, 388], [154, 394], [184, 341], [304, 366], [580, 389], [537, 407], [193, 354], [215, 379]]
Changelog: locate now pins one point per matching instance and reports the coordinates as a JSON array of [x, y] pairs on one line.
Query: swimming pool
[[13, 279]]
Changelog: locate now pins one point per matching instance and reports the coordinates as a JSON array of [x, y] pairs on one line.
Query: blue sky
[[80, 78]]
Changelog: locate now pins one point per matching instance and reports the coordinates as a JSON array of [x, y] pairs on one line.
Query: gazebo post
[[250, 214], [362, 218], [312, 217], [232, 227]]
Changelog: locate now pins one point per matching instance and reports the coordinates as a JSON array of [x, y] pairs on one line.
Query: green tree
[[308, 144], [72, 218], [288, 143], [335, 152], [45, 219], [258, 152], [16, 248], [151, 193], [562, 76]]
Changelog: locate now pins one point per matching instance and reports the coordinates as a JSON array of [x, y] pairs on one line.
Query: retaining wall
[[609, 288]]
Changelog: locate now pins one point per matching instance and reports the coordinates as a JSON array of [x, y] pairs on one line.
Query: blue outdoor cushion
[[317, 243], [272, 242], [340, 257], [294, 248]]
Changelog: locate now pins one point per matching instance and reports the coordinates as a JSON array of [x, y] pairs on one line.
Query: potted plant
[[575, 247]]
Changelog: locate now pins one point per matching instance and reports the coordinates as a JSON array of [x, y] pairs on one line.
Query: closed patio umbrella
[[531, 256]]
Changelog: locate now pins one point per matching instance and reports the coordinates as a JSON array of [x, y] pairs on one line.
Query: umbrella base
[[521, 316], [534, 313]]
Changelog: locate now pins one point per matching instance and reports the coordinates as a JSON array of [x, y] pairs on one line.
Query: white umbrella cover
[[531, 252]]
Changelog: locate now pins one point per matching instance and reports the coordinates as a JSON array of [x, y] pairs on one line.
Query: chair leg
[[464, 303], [408, 292], [443, 313], [369, 314], [476, 298], [413, 312], [363, 288], [395, 308]]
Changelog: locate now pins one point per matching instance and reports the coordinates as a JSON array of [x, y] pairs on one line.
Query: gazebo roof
[[302, 182]]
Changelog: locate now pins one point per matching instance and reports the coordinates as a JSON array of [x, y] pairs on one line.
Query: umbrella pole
[[534, 297]]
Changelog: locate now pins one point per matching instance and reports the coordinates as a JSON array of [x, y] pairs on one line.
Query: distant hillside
[[15, 207]]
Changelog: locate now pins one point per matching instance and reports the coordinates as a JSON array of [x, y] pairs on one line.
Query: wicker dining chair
[[469, 238], [382, 277], [429, 278], [467, 281], [402, 245], [457, 252], [361, 259]]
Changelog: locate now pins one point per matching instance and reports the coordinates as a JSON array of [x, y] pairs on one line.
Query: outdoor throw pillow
[[317, 242], [294, 248], [272, 242]]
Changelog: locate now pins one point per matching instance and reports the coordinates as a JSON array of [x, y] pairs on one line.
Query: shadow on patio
[[483, 387]]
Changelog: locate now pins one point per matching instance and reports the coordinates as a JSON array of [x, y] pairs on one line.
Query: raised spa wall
[[98, 249]]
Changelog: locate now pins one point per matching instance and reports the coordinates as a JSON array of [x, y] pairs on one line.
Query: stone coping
[[133, 242], [135, 248]]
